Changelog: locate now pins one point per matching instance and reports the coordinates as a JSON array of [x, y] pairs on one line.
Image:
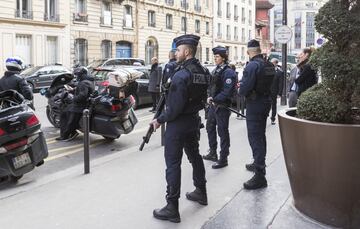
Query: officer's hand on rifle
[[155, 124], [210, 100]]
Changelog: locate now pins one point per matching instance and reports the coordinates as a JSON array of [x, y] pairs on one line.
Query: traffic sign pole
[[284, 56]]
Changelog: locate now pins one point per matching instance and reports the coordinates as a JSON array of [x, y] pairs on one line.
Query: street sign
[[283, 34]]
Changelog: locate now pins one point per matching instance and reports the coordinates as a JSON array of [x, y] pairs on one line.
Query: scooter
[[110, 117], [22, 143]]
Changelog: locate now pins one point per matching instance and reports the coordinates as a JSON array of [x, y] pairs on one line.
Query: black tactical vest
[[197, 87], [264, 76], [216, 82]]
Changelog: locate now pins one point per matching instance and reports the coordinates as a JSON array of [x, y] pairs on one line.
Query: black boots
[[256, 182], [211, 156], [250, 167], [198, 195], [170, 212], [223, 162]]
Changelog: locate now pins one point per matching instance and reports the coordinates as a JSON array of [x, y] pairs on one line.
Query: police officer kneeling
[[186, 97], [222, 90], [255, 86], [69, 120], [13, 80]]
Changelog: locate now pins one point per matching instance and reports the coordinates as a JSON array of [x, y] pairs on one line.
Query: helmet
[[14, 63], [80, 72]]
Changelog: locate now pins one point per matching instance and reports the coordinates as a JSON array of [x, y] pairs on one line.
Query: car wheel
[[53, 118], [15, 178]]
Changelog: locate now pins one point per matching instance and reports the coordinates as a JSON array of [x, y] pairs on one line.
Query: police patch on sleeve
[[228, 81]]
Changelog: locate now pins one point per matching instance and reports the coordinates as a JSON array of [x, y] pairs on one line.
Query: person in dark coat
[[305, 75], [169, 68], [69, 119], [13, 80], [276, 88], [154, 83], [186, 97]]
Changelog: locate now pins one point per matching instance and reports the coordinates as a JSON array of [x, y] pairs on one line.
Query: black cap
[[187, 39], [253, 44], [219, 50]]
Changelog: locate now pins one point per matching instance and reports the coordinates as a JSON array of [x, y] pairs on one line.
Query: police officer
[[186, 96], [255, 86], [222, 89], [169, 68], [13, 80], [69, 119]]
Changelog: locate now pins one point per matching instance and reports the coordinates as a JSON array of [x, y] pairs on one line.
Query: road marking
[[71, 152]]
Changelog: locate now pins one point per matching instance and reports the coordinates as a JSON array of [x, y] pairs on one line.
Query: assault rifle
[[159, 107], [229, 109]]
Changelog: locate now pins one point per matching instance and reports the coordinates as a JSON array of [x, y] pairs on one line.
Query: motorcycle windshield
[[61, 80]]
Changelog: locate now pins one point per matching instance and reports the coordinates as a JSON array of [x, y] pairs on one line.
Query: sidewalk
[[123, 189]]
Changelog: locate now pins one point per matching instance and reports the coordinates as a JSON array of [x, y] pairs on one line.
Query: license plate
[[127, 124], [21, 161]]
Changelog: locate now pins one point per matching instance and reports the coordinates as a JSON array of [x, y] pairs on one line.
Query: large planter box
[[323, 164]]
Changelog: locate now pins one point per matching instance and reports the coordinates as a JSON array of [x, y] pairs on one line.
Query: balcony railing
[[50, 17], [219, 35], [128, 23], [106, 21], [169, 2], [219, 13], [80, 17], [152, 24], [24, 14], [228, 15], [184, 4], [197, 8], [236, 17], [236, 38]]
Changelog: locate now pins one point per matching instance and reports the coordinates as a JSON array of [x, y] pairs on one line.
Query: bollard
[[86, 131]]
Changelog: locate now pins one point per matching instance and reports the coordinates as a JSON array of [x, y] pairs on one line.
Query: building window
[[277, 24], [219, 11], [242, 53], [197, 26], [151, 18], [81, 51], [236, 35], [207, 25], [183, 24], [24, 48], [52, 50], [250, 36], [219, 33], [197, 6], [207, 3], [207, 54], [310, 31], [23, 9], [243, 38], [169, 2], [235, 53], [198, 54], [236, 13], [151, 49], [243, 15], [128, 17], [228, 12], [250, 17], [80, 11], [169, 21], [106, 49], [106, 18], [184, 4], [228, 32], [298, 30], [51, 11]]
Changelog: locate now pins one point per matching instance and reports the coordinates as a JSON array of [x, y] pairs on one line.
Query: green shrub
[[337, 98]]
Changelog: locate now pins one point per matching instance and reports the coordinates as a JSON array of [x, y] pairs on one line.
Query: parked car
[[115, 62], [142, 96], [41, 76]]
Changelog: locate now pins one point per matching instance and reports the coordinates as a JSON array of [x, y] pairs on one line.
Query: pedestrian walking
[[276, 88], [169, 68], [154, 83]]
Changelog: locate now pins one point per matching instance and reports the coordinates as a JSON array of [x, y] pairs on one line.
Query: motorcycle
[[22, 143], [110, 117]]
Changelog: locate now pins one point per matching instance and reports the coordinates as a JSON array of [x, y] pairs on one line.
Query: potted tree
[[321, 138]]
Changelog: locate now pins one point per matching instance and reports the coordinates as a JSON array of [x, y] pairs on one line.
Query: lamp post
[[284, 55]]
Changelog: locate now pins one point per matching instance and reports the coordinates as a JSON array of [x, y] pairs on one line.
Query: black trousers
[[155, 98], [69, 122], [273, 107]]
